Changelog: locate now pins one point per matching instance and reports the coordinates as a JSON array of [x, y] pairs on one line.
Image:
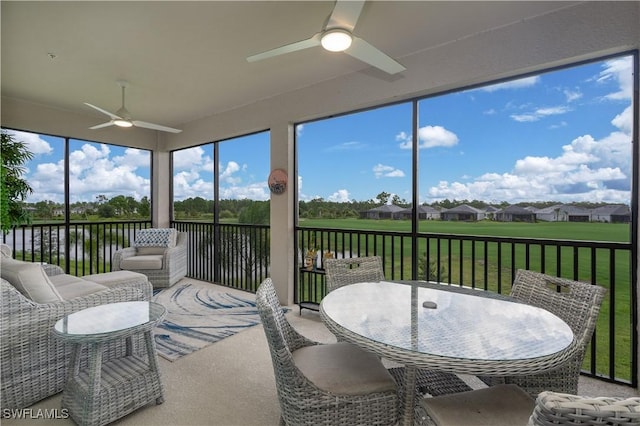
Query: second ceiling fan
[[122, 117], [337, 36]]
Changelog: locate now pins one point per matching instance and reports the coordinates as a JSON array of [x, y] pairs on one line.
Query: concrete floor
[[231, 382]]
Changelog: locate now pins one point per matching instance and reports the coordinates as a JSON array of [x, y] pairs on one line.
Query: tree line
[[249, 211]]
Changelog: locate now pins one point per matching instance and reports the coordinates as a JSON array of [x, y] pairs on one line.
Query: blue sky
[[563, 135]]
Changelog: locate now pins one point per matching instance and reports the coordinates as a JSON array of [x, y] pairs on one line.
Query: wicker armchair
[[163, 266], [508, 405], [324, 384], [341, 272], [565, 409], [33, 364], [578, 304]]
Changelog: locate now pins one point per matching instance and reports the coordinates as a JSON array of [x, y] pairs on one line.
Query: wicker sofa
[[33, 364]]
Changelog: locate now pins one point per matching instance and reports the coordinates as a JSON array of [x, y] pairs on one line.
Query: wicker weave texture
[[578, 304], [174, 263], [301, 402], [33, 362], [566, 409], [341, 272], [103, 392]]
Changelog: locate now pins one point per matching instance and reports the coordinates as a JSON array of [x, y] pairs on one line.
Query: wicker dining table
[[447, 328]]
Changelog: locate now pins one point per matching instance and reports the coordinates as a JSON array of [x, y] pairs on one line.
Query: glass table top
[[109, 318], [449, 324]]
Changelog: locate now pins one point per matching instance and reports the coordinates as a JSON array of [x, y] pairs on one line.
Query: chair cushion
[[142, 262], [69, 286], [30, 280], [144, 251], [500, 405], [156, 237], [344, 369]]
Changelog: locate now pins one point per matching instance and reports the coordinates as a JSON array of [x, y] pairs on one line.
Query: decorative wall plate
[[278, 181]]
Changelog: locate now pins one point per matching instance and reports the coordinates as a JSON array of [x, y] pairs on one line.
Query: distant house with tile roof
[[563, 213], [515, 214], [387, 211], [612, 213], [463, 212], [424, 213]]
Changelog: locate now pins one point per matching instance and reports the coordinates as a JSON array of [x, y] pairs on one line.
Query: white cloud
[[340, 196], [572, 95], [624, 120], [380, 170], [191, 158], [586, 170], [254, 191], [227, 173], [540, 113], [514, 84], [429, 137], [619, 70], [34, 143], [346, 146]]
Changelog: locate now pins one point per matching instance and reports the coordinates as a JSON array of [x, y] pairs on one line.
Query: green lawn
[[615, 232]]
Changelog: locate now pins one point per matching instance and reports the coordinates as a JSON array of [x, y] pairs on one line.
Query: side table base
[[126, 384]]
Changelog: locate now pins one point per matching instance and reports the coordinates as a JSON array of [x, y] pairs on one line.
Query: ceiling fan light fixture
[[122, 123], [336, 40]]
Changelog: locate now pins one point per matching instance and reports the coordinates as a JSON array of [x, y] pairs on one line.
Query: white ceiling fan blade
[[288, 48], [345, 14], [110, 114], [100, 126], [152, 126], [362, 50]]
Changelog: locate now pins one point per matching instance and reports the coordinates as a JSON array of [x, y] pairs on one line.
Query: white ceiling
[[187, 60]]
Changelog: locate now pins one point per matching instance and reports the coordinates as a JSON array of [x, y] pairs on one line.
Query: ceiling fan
[[337, 36], [122, 117]]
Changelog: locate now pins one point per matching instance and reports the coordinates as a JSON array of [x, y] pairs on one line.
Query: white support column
[[282, 214], [160, 192]]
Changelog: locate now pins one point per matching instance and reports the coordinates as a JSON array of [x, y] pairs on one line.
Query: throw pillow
[[30, 280], [156, 237]]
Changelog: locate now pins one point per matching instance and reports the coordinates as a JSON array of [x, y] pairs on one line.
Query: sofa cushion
[[69, 286], [156, 237], [142, 262], [30, 280], [344, 369], [116, 278]]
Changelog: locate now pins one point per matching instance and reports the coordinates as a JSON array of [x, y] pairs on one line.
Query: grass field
[[474, 263]]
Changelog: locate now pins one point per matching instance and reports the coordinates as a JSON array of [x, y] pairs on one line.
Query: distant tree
[[44, 209], [13, 189], [106, 211], [144, 208], [256, 213], [383, 197]]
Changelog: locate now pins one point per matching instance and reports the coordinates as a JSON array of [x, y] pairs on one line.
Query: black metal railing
[[80, 248], [237, 256], [490, 263], [234, 255]]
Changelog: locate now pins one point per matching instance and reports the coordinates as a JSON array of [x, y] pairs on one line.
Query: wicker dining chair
[[324, 384], [508, 405], [578, 304], [341, 272]]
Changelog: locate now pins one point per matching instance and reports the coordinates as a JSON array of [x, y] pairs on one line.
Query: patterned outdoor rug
[[199, 315]]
